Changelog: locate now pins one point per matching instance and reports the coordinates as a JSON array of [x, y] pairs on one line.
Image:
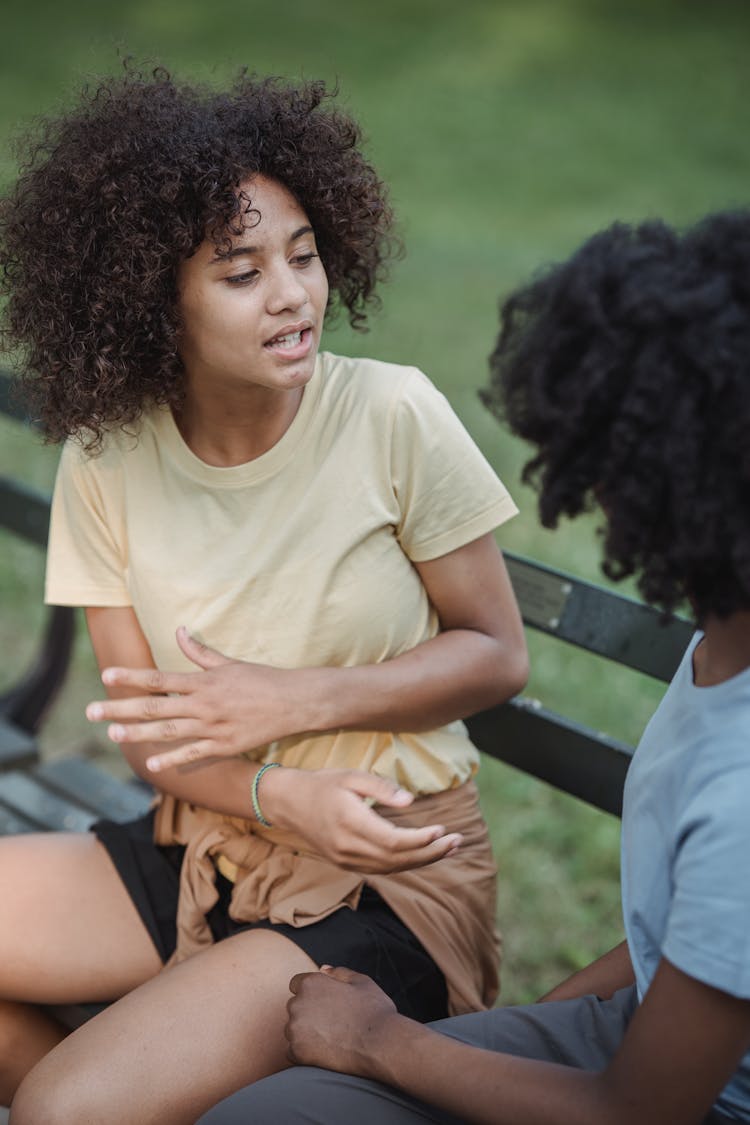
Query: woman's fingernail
[[153, 764], [94, 711], [116, 732]]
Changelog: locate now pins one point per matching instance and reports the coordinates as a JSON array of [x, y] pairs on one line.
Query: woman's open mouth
[[291, 345]]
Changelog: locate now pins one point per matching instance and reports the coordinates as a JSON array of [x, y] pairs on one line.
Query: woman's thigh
[[69, 929], [176, 1045]]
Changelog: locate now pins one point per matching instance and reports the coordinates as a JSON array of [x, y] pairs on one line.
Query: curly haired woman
[[292, 590], [628, 369]]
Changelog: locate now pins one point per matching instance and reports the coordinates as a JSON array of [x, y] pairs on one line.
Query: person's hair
[[628, 368], [112, 197]]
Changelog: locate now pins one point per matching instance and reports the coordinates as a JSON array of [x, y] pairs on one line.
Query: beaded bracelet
[[254, 794]]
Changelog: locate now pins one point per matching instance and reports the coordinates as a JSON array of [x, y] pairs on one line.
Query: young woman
[[628, 369], [292, 590]]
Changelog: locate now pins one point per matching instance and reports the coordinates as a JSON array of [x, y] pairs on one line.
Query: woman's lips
[[291, 345]]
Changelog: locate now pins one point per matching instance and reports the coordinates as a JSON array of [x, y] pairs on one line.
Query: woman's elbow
[[516, 670], [510, 671]]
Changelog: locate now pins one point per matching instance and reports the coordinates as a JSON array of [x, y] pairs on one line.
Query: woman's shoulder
[[116, 443], [374, 381]]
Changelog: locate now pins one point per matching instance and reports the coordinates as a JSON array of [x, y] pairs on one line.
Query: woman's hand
[[332, 810], [337, 1019], [230, 706], [226, 708]]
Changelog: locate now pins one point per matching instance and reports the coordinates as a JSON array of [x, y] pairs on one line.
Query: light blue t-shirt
[[686, 845]]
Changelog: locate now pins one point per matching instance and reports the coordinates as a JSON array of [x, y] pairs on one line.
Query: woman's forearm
[[449, 677], [222, 785], [478, 659], [487, 1088], [603, 977]]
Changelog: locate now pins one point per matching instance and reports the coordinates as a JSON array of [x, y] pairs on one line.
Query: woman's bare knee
[[163, 1053], [62, 1100]]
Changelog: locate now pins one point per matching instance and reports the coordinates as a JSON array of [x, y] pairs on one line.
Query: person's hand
[[229, 707], [332, 810], [337, 1019], [226, 708]]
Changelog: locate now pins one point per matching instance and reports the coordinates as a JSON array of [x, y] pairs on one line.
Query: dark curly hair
[[114, 195], [628, 367]]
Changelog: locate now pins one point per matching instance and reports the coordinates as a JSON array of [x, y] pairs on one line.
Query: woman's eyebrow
[[238, 251]]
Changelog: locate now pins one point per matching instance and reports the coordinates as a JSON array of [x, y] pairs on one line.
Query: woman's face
[[254, 317]]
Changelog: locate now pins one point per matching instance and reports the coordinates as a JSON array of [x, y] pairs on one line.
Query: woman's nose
[[286, 291]]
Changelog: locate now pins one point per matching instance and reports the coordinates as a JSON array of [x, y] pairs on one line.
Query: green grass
[[508, 130]]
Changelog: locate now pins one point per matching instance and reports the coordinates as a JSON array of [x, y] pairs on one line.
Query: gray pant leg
[[306, 1095], [584, 1033]]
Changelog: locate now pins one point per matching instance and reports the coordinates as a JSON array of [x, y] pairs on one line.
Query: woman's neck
[[724, 651], [224, 431]]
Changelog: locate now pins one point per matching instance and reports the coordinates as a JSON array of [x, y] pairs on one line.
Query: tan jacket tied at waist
[[449, 906]]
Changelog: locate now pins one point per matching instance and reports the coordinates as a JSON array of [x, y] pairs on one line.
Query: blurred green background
[[508, 130]]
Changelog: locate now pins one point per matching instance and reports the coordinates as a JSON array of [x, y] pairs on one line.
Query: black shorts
[[371, 939]]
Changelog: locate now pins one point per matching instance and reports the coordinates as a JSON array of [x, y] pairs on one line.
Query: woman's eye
[[242, 278], [304, 259]]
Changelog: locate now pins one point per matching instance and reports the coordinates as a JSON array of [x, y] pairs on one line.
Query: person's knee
[[56, 1099]]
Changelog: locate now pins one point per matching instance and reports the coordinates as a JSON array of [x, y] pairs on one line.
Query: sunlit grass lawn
[[509, 130]]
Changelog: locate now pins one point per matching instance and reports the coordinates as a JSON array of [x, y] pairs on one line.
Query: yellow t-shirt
[[302, 557]]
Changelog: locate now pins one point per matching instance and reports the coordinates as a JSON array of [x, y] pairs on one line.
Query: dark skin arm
[[603, 977], [682, 1046]]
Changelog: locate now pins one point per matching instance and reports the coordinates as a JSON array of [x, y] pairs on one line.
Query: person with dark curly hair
[[628, 369], [292, 589]]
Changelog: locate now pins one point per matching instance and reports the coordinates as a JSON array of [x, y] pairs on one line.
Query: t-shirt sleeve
[[86, 552], [708, 930], [448, 494]]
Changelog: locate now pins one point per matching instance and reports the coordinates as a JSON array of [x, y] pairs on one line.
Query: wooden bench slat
[[25, 796], [79, 780], [11, 824], [568, 755], [599, 620]]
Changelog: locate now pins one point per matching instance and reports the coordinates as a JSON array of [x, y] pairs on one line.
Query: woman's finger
[[149, 679], [140, 708], [441, 848], [200, 653], [409, 847], [367, 826], [163, 730], [184, 756], [378, 790]]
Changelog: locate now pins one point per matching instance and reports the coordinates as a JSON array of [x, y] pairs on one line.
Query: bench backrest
[[558, 749]]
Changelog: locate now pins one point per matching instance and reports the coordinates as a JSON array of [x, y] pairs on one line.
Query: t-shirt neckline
[[251, 472]]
